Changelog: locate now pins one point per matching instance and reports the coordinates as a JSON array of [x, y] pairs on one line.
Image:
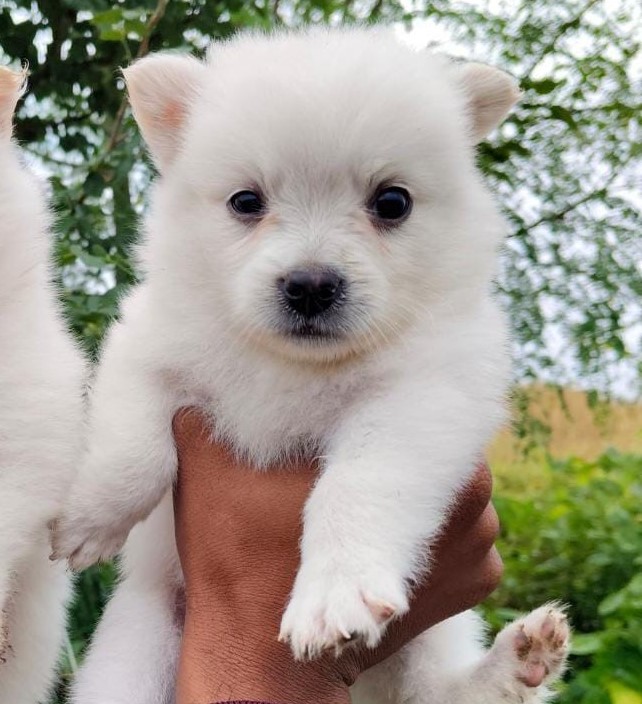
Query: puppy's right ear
[[12, 86], [161, 89]]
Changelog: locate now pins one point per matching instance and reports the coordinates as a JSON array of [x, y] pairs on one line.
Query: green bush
[[580, 542]]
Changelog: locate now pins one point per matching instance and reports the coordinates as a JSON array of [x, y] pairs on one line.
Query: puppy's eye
[[391, 204], [247, 203]]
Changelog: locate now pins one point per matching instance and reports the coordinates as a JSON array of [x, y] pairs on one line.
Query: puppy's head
[[321, 185]]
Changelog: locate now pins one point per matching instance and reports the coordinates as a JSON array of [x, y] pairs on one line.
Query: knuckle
[[493, 573], [472, 500], [487, 578], [488, 529], [479, 490], [484, 482]]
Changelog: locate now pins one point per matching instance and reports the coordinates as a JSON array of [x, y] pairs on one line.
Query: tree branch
[[563, 28], [143, 50], [560, 214]]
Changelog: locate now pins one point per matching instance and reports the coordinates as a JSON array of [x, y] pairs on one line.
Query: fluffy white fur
[[399, 405], [40, 426]]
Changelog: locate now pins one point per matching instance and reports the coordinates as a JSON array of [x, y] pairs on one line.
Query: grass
[[577, 428]]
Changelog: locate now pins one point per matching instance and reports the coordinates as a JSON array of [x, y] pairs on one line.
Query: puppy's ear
[[490, 93], [12, 86], [161, 91]]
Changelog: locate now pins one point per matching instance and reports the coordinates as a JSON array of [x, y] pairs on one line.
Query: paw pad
[[541, 644]]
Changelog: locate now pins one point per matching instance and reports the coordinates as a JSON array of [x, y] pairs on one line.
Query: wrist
[[228, 656]]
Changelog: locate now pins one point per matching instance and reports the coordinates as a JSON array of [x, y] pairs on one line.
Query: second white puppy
[[318, 262], [41, 375]]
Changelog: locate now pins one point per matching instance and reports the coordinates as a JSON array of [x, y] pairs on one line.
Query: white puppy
[[40, 415], [318, 261]]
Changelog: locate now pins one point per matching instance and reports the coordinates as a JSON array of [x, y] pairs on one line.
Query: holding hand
[[238, 534]]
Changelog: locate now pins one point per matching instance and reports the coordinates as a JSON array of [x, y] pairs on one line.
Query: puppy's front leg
[[390, 476], [129, 462]]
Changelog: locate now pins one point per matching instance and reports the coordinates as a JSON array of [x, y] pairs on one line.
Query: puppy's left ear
[[162, 89], [490, 94], [12, 86]]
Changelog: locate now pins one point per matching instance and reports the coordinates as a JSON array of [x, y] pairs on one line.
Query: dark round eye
[[247, 203], [391, 204]]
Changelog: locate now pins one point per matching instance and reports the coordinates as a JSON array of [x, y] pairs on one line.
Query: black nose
[[311, 292]]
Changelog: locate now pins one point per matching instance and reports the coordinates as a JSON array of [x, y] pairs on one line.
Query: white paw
[[84, 540], [534, 650], [329, 610]]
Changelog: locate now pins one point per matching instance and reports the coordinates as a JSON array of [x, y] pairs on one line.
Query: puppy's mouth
[[317, 332]]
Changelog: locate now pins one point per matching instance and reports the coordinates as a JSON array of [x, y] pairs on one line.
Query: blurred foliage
[[579, 542], [566, 165]]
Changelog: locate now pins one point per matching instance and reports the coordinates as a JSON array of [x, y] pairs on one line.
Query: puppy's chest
[[271, 412]]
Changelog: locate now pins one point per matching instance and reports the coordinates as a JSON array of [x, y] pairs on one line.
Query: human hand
[[237, 533]]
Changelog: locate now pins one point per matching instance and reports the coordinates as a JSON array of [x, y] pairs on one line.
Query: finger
[[190, 428], [483, 579], [470, 503], [479, 490], [489, 577], [485, 531]]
